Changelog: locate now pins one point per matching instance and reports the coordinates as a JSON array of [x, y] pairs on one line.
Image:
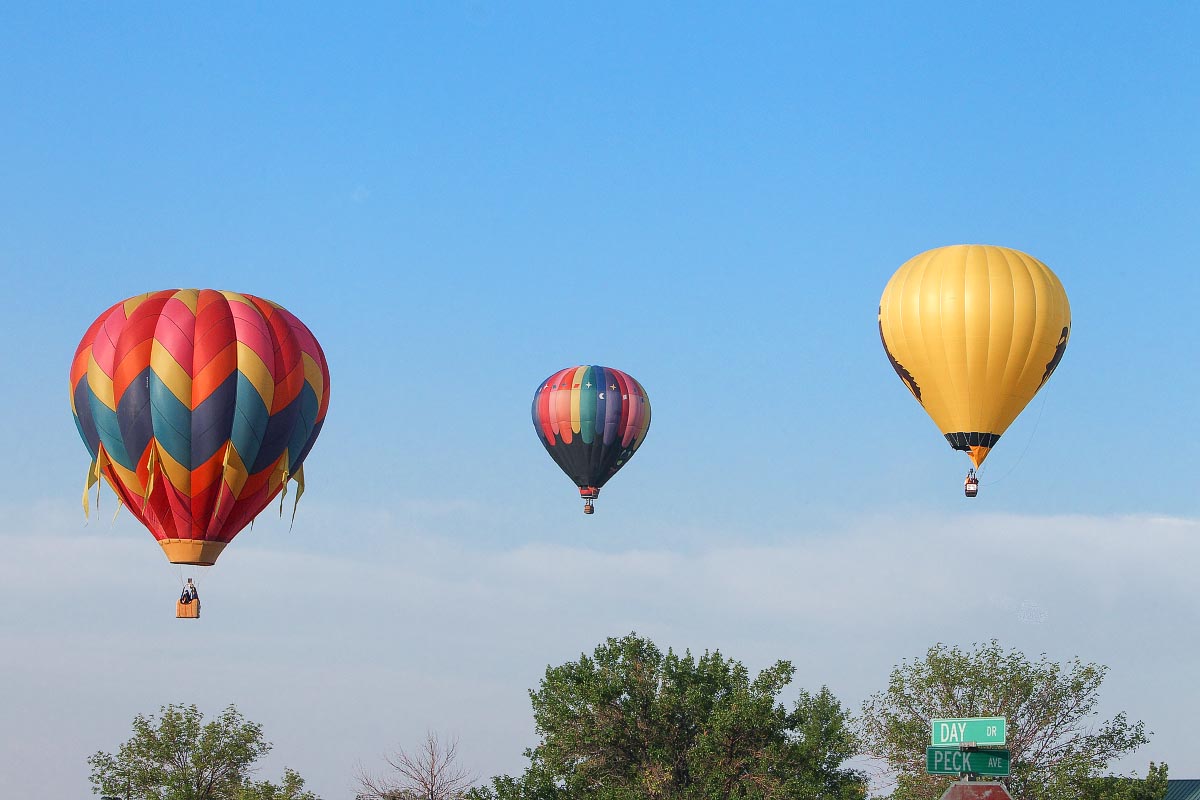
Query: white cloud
[[343, 657]]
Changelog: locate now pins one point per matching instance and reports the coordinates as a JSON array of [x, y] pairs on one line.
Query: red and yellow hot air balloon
[[198, 406], [974, 331]]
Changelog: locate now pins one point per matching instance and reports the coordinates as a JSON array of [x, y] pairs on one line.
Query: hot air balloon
[[198, 407], [974, 331], [591, 421]]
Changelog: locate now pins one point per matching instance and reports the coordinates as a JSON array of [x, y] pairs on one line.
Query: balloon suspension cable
[[1037, 421], [587, 506]]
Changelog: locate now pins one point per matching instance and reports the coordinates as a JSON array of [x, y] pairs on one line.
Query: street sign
[[953, 761], [977, 791], [973, 730]]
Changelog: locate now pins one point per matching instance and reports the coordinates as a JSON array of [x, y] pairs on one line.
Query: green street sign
[[973, 730], [952, 761]]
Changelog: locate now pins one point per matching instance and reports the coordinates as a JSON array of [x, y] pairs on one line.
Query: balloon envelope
[[974, 331], [197, 406], [591, 420]]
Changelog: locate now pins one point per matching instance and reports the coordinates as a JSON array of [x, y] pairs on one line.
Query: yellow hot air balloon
[[974, 331]]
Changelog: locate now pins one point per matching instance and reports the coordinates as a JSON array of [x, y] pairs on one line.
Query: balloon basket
[[187, 610]]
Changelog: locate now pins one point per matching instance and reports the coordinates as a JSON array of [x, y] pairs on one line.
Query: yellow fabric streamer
[[95, 469], [151, 463], [299, 479], [87, 488], [220, 494], [283, 478], [283, 494]]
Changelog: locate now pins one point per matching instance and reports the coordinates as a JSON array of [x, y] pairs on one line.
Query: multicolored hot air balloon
[[198, 406], [974, 331], [591, 421]]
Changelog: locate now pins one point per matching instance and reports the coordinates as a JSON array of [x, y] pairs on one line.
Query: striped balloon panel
[[591, 421], [198, 406]]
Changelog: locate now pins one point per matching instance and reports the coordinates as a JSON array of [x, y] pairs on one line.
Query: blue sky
[[461, 198]]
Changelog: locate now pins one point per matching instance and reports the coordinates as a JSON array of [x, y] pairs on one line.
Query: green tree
[[177, 756], [630, 722], [1152, 787], [290, 788], [1057, 744]]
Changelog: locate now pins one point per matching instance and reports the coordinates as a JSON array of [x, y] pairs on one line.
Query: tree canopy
[[1152, 787], [290, 788], [1058, 745], [177, 756], [631, 722]]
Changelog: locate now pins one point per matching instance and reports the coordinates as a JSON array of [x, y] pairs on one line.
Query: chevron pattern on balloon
[[197, 407]]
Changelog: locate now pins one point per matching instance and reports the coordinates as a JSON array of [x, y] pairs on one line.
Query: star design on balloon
[[588, 384]]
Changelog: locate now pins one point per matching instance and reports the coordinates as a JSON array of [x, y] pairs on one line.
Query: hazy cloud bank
[[344, 656]]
